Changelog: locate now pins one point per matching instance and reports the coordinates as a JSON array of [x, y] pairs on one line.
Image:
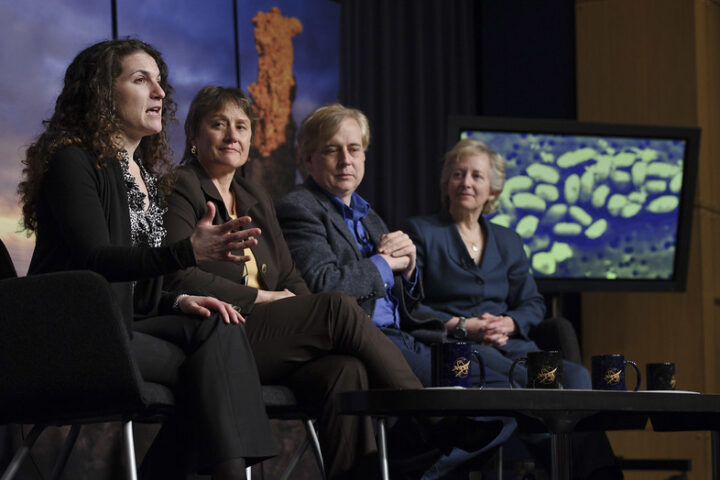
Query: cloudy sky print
[[41, 37]]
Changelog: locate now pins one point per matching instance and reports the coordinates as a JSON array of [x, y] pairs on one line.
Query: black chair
[[65, 359], [7, 268], [558, 333]]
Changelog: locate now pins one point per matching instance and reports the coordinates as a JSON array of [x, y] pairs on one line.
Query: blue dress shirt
[[386, 311]]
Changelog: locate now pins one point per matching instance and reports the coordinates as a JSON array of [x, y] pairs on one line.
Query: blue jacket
[[455, 286]]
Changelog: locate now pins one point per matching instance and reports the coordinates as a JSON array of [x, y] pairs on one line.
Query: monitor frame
[[691, 135]]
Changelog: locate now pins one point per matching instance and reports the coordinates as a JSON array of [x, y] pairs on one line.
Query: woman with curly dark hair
[[90, 195], [85, 115]]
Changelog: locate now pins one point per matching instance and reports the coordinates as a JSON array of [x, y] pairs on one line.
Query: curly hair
[[468, 147], [85, 115], [211, 99]]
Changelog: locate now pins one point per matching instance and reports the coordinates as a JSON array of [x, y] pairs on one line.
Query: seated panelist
[[476, 275], [318, 344], [339, 243], [90, 194], [477, 280]]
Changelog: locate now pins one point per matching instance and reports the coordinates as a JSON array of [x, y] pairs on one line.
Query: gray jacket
[[328, 258]]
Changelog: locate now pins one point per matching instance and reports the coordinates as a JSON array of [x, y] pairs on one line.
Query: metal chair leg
[[312, 436], [311, 439], [65, 452], [715, 453], [499, 465], [384, 468], [129, 450], [23, 451]]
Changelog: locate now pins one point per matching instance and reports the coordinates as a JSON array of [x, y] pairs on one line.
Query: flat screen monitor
[[598, 206]]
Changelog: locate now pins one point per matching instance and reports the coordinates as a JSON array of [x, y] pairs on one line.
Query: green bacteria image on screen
[[591, 207]]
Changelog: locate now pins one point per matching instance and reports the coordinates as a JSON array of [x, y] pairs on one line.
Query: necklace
[[474, 246]]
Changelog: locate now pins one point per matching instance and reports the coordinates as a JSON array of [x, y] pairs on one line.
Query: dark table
[[558, 412]]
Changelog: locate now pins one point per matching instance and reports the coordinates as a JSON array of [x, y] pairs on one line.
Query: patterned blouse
[[146, 226]]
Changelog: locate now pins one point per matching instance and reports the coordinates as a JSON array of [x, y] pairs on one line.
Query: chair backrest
[[7, 268], [64, 351]]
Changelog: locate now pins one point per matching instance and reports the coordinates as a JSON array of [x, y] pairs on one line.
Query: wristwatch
[[460, 330]]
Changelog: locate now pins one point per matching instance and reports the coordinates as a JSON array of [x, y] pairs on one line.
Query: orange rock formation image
[[273, 94]]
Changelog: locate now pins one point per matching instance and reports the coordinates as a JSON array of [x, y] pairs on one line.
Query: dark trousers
[[320, 345], [210, 367]]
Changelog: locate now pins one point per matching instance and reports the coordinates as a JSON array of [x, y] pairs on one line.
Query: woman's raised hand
[[218, 242]]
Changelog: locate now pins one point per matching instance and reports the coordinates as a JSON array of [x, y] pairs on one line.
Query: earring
[[193, 150]]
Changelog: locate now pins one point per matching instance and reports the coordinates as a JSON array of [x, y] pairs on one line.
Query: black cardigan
[[84, 224]]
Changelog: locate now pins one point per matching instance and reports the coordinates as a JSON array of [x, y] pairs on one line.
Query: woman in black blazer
[[90, 196], [318, 344]]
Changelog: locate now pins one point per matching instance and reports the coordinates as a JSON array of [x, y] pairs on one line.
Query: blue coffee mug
[[452, 366], [660, 376], [608, 372], [543, 369]]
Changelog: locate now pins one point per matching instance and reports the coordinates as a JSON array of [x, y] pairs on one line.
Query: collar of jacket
[[244, 200]]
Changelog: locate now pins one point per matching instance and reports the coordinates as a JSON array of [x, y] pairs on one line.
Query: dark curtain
[[407, 65], [527, 58]]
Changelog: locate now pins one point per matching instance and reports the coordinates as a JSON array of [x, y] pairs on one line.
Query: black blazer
[[84, 224], [192, 189]]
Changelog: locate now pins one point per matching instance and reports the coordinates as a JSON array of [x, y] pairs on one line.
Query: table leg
[[715, 449], [499, 465], [560, 445], [384, 470]]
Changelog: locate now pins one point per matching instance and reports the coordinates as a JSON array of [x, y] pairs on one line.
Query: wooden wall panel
[[636, 61], [631, 70], [658, 62], [676, 445], [709, 232], [708, 85]]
